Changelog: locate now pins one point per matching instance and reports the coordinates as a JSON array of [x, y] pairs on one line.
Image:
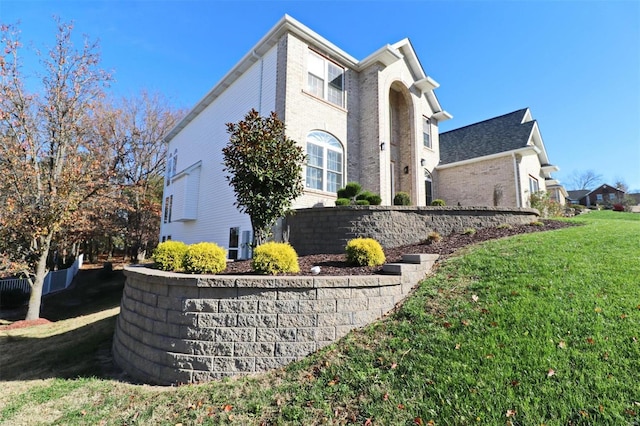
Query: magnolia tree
[[264, 168], [49, 162]]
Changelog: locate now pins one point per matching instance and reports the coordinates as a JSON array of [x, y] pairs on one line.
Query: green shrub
[[433, 237], [343, 202], [362, 202], [401, 199], [546, 206], [373, 199], [504, 226], [169, 256], [13, 298], [364, 252], [275, 258], [438, 202], [205, 258], [469, 231], [350, 191]]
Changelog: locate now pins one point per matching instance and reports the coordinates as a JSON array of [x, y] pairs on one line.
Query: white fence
[[53, 281]]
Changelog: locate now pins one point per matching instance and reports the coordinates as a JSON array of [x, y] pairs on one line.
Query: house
[[373, 120], [496, 162], [604, 195]]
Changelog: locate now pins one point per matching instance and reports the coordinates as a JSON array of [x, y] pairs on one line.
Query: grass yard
[[541, 328]]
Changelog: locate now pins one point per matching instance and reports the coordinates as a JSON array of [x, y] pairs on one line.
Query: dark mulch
[[335, 264]]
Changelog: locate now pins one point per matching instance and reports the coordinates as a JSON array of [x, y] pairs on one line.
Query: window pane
[[314, 178], [315, 155], [426, 132], [334, 161], [336, 84], [316, 65], [334, 181], [316, 86]]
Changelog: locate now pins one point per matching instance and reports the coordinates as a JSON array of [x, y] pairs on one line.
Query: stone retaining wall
[[177, 328], [327, 229]]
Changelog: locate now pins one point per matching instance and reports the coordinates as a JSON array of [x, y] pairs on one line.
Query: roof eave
[[286, 24], [386, 55]]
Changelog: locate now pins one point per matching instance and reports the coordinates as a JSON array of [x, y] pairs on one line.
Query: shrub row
[[200, 258]]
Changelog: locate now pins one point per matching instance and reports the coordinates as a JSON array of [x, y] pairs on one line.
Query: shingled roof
[[499, 134]]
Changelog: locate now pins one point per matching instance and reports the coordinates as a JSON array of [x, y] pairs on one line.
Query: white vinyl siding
[[202, 140], [186, 186]]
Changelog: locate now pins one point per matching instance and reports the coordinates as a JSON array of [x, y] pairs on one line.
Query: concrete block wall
[[178, 328], [327, 230]]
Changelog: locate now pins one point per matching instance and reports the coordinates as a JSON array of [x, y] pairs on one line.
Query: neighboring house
[[374, 121], [497, 162], [604, 195], [575, 196]]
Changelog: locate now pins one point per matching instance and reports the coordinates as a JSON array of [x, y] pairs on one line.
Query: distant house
[[496, 162], [373, 120], [575, 196], [604, 195]]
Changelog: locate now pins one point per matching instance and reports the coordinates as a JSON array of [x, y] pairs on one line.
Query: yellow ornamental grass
[[364, 252], [275, 258]]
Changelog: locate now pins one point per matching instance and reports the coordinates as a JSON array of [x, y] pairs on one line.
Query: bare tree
[[135, 128], [49, 164], [587, 179]]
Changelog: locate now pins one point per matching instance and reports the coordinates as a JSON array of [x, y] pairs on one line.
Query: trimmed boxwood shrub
[[401, 199], [437, 202], [343, 202], [205, 258], [275, 258], [373, 199], [362, 202], [364, 252], [169, 255]]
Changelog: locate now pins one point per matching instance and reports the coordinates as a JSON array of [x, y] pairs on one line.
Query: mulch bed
[[336, 264]]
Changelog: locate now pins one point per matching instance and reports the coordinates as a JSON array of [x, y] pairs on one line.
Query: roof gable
[[505, 133], [385, 55]]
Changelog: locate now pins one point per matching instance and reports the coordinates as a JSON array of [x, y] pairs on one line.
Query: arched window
[[428, 186], [324, 162]]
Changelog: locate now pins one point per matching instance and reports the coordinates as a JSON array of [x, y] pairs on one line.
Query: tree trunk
[[35, 299]]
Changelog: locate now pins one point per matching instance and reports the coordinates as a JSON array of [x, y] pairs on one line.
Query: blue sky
[[576, 64]]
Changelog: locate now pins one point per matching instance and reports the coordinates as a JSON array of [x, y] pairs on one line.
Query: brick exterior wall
[[473, 184], [177, 328], [327, 230]]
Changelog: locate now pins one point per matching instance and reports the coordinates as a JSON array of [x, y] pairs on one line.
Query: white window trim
[[326, 147], [325, 80]]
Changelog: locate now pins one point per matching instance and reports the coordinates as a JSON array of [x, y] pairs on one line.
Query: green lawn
[[537, 329]]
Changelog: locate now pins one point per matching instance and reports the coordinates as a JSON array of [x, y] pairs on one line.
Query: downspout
[[517, 180]]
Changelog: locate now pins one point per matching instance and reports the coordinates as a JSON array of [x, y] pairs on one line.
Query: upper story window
[[324, 162], [172, 165], [325, 79], [426, 132]]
